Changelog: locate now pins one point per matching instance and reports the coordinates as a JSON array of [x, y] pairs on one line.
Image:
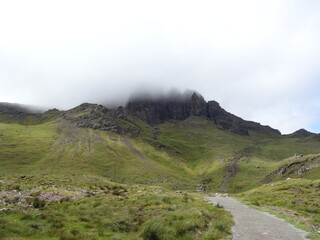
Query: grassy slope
[[61, 148], [181, 155], [105, 211], [207, 150], [297, 200]]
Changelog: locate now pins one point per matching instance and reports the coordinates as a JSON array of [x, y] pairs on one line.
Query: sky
[[259, 59]]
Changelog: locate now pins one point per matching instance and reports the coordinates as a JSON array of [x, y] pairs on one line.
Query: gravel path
[[251, 224]]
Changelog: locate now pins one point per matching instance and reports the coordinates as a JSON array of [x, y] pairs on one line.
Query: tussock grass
[[136, 213]]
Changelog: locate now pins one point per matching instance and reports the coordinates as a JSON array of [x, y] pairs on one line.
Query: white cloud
[[259, 59]]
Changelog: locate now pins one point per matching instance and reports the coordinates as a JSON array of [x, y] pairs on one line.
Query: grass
[[117, 212], [55, 148], [182, 155], [50, 156], [297, 200], [206, 150]]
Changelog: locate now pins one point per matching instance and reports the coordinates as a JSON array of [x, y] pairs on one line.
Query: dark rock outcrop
[[101, 118], [181, 106], [296, 168]]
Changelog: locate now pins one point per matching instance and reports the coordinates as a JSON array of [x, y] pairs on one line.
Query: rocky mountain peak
[[198, 105], [302, 133], [181, 106], [98, 117]]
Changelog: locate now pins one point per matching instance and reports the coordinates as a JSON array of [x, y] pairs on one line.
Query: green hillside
[[62, 172], [296, 200], [175, 154]]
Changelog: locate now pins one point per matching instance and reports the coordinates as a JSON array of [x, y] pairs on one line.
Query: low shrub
[[38, 203]]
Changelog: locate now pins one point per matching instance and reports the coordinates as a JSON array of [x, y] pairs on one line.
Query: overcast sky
[[259, 59]]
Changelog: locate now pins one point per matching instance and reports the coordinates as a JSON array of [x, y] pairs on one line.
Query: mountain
[[14, 111], [181, 106], [102, 173], [178, 141], [302, 133]]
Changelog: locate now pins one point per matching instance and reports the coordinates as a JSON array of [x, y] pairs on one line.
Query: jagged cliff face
[[101, 118], [180, 107], [151, 110]]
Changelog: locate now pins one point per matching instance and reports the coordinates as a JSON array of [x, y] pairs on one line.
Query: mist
[[258, 59]]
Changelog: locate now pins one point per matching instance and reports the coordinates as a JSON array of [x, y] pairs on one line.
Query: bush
[[155, 230], [256, 203], [185, 198], [166, 200], [3, 224], [38, 203], [16, 187], [221, 226], [219, 206], [26, 216], [69, 236], [65, 199]]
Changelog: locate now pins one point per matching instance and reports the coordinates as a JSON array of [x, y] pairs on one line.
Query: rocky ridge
[[302, 133], [101, 118], [14, 112], [299, 167], [181, 106]]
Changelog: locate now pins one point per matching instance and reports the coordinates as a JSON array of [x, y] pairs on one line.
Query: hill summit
[[177, 106]]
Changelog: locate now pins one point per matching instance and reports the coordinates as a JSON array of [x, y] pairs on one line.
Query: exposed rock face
[[101, 118], [181, 106], [295, 168], [198, 106], [158, 110]]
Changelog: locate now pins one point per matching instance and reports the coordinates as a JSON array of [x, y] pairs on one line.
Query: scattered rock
[[295, 157], [101, 118], [295, 168], [219, 159], [4, 209], [221, 194], [298, 190], [22, 198], [155, 132], [201, 188]]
